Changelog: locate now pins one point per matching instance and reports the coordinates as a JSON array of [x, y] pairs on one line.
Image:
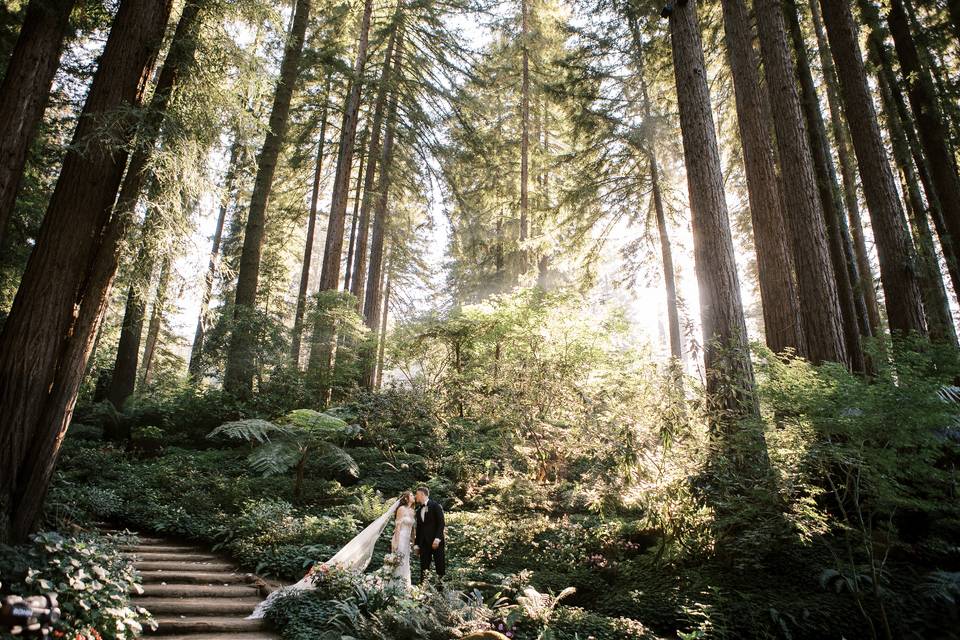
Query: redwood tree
[[898, 272], [179, 59], [359, 272], [25, 89], [48, 335], [852, 306], [927, 114], [817, 289], [333, 249], [297, 334], [778, 293], [730, 382], [238, 378]]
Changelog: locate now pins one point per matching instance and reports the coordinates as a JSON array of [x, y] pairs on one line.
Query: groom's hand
[[416, 549], [436, 543]]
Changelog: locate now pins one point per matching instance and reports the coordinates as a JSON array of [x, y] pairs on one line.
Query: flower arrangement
[[391, 560]]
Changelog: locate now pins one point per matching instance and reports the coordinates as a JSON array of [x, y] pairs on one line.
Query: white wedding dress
[[354, 556], [401, 546]]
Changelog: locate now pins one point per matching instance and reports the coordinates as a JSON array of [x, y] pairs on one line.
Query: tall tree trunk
[[666, 255], [848, 170], [778, 293], [330, 274], [666, 252], [46, 340], [817, 289], [372, 304], [308, 244], [196, 350], [25, 89], [881, 57], [953, 6], [935, 304], [524, 131], [852, 305], [357, 196], [156, 320], [238, 378], [382, 342], [373, 156], [930, 127], [730, 382], [180, 58], [897, 269]]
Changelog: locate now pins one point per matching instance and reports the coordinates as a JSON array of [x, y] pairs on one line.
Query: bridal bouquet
[[391, 560]]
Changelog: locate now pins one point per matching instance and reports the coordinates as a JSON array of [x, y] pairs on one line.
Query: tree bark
[[930, 127], [856, 321], [25, 89], [238, 377], [778, 293], [382, 341], [935, 305], [156, 320], [46, 340], [730, 382], [330, 274], [196, 350], [848, 171], [897, 269], [524, 132], [357, 195], [180, 58], [372, 303], [373, 156], [817, 289], [297, 335]]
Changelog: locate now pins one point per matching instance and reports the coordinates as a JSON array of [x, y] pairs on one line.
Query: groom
[[429, 542]]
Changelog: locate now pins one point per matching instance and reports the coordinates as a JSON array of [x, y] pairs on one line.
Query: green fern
[[288, 444], [943, 586], [250, 430], [274, 458]]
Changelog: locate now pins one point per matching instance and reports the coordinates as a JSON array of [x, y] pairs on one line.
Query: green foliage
[[289, 443], [92, 580]]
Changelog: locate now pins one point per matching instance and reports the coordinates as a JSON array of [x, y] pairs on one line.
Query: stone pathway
[[195, 595]]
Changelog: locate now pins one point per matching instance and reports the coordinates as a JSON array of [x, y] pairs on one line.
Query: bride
[[356, 554]]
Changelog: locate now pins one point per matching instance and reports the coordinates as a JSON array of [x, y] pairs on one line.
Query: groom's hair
[[425, 490]]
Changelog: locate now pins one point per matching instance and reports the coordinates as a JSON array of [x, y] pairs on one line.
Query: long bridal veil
[[354, 556]]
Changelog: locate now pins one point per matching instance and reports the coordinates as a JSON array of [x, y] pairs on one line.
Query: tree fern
[[251, 430], [274, 458]]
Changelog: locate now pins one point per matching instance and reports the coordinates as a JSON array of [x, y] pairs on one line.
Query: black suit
[[430, 527]]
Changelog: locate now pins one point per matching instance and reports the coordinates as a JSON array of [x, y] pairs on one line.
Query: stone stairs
[[194, 594]]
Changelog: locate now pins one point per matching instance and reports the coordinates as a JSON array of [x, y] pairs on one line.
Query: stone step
[[176, 565], [161, 548], [195, 577], [182, 556], [248, 635], [205, 624], [242, 607], [199, 591]]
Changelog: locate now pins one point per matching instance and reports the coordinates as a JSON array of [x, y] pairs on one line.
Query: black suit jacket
[[431, 527]]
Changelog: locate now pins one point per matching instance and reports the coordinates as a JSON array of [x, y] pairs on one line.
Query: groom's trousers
[[436, 556]]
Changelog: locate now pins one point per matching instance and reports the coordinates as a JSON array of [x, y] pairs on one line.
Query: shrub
[[92, 579]]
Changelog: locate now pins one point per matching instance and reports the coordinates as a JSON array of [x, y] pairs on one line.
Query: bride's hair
[[405, 498]]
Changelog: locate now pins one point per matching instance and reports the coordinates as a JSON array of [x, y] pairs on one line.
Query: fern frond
[[250, 430], [337, 460], [273, 458], [320, 424], [943, 586]]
